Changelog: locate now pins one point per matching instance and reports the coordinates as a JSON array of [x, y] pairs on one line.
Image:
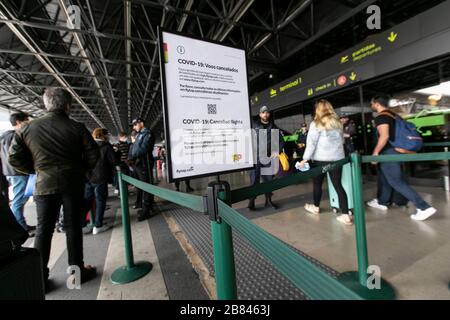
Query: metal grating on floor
[[256, 278]]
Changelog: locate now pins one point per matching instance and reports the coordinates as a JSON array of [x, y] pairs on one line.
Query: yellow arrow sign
[[353, 76], [344, 59], [393, 36], [310, 92]]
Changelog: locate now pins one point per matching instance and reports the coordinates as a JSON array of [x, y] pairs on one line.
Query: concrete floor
[[413, 256]]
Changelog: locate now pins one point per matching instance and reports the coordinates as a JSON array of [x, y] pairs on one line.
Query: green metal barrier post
[[358, 281], [131, 271], [222, 239]]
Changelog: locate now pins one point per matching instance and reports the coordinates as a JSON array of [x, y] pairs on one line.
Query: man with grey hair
[[60, 151]]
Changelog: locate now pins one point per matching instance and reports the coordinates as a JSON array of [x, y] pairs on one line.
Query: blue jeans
[[18, 183], [100, 192], [391, 180]]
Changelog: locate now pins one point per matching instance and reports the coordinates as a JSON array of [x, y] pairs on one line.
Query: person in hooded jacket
[[98, 178]]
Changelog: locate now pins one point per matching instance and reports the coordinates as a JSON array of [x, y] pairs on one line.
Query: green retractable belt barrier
[[307, 277], [360, 281], [186, 200], [132, 271], [437, 144], [431, 156], [263, 188], [222, 239]]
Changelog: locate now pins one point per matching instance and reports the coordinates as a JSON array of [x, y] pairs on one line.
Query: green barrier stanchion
[[359, 281], [222, 239], [131, 271]]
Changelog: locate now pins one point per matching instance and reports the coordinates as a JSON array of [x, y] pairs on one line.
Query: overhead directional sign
[[421, 38]]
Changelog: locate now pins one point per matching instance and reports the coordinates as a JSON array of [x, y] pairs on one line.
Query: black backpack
[[12, 235]]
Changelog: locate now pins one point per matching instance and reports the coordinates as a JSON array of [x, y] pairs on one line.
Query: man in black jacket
[[16, 179], [142, 157], [60, 150], [263, 127]]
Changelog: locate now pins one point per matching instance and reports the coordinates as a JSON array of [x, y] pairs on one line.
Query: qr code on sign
[[212, 109]]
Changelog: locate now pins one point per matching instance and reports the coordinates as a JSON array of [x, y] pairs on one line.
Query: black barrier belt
[[263, 188]]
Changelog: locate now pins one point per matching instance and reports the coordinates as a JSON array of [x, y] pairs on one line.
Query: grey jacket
[[323, 145]]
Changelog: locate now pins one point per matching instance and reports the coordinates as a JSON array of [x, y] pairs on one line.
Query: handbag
[[284, 161], [31, 183]]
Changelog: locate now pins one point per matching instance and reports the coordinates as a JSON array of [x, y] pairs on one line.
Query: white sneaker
[[422, 215], [101, 229], [374, 204]]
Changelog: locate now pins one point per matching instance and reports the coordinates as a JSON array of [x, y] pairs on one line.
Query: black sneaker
[[88, 273], [49, 286], [143, 217]]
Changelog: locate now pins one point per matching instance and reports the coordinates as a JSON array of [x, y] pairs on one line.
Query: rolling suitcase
[[21, 276], [347, 184]]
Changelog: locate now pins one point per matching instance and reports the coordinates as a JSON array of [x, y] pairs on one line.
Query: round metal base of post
[[350, 279], [125, 275]]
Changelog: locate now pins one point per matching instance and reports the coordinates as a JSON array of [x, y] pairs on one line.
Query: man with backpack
[[395, 136]]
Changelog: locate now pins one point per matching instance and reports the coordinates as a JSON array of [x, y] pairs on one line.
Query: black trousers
[[255, 176], [144, 199], [336, 179], [48, 208], [4, 187], [187, 182]]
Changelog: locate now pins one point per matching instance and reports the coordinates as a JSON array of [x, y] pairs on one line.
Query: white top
[[323, 145]]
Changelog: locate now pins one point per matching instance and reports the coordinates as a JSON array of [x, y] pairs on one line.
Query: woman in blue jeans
[[97, 186], [325, 145]]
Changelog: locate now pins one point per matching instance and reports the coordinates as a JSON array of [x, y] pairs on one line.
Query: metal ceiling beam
[[108, 82], [294, 14], [328, 28], [53, 27], [113, 113], [67, 57], [23, 36], [73, 75], [127, 20], [235, 18], [180, 11], [184, 17]]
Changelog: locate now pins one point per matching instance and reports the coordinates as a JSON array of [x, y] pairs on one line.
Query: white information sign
[[206, 107]]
